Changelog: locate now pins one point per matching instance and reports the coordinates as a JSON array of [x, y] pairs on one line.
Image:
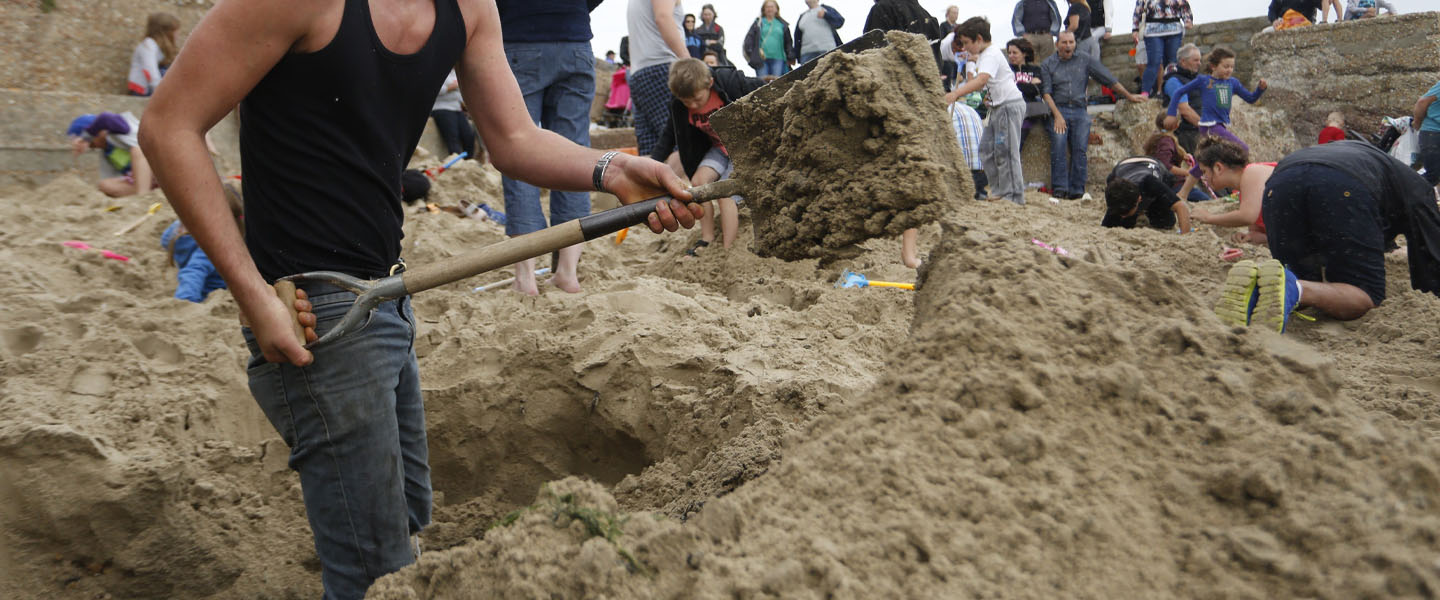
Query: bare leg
[[140, 170], [1339, 300], [117, 187], [907, 248], [704, 175], [566, 276], [525, 277], [729, 221], [674, 163]]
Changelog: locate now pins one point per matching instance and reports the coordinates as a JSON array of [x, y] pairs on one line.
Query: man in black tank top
[[333, 95]]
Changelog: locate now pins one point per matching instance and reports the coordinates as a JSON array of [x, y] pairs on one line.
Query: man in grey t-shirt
[[817, 31]]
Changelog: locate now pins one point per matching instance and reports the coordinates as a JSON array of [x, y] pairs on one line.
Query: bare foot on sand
[[570, 285]]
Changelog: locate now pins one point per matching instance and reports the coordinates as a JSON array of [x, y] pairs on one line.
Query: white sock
[[1299, 292]]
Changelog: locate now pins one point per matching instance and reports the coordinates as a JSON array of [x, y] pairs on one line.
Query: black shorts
[[1324, 225]]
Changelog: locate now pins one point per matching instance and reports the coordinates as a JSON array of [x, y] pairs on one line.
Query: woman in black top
[[711, 34], [1077, 21], [1028, 78]]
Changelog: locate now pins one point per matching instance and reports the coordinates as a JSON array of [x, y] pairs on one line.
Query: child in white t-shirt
[[153, 54], [1000, 144]]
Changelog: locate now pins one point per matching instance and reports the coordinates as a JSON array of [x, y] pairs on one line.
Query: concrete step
[[35, 150]]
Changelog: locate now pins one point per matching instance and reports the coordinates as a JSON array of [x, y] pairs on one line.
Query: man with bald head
[[1186, 69], [1066, 74]]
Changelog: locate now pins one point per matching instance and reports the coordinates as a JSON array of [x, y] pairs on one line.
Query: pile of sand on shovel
[[861, 148]]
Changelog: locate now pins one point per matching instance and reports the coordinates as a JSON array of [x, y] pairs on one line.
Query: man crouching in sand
[[333, 96]]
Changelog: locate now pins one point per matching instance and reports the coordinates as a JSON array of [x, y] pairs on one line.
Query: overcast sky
[[608, 20]]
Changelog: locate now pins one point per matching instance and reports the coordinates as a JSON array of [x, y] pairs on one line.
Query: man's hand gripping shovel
[[374, 292]]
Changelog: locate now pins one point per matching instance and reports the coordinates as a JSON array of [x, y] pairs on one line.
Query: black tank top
[[324, 137]]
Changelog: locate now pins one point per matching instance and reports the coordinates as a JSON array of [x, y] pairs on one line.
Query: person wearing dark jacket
[[907, 15], [1330, 212], [769, 47], [1038, 21], [823, 23], [699, 91], [1308, 8], [712, 35]]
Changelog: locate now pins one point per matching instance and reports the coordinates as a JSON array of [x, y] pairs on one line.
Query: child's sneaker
[[1239, 294], [1278, 295]]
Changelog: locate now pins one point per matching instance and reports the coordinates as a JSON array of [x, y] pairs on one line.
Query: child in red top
[[700, 90], [1334, 130]]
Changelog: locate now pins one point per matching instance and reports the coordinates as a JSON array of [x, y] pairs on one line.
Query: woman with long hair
[[1021, 56], [153, 54], [711, 34], [769, 47]]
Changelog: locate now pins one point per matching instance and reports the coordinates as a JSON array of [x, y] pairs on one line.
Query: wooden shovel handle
[[550, 239], [285, 290]]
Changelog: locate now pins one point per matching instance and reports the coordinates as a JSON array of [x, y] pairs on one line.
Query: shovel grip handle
[[285, 290], [605, 223]]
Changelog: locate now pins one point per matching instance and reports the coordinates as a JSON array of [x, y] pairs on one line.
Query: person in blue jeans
[[769, 48], [197, 276], [1065, 75], [548, 46], [323, 194], [1165, 22], [1427, 114], [817, 30]]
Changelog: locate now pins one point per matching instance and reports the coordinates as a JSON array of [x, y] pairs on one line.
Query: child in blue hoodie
[[198, 276]]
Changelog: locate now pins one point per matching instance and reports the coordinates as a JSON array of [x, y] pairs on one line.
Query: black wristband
[[600, 166]]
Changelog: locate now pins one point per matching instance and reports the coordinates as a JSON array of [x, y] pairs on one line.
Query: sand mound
[[1079, 424], [1025, 425], [860, 148]]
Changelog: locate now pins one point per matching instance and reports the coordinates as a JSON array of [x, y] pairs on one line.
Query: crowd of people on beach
[[333, 97]]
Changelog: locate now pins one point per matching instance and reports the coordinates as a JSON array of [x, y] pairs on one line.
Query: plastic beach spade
[[851, 279], [423, 277]]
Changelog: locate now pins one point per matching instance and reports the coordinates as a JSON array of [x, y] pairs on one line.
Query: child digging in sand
[[125, 170], [699, 91], [198, 276]]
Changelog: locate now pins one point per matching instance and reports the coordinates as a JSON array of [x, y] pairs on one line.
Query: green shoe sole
[[1234, 305], [1270, 310]]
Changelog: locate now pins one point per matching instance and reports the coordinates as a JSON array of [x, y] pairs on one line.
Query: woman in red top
[[1226, 164]]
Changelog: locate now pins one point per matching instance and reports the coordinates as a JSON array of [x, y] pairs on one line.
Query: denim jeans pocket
[[526, 64], [331, 308]]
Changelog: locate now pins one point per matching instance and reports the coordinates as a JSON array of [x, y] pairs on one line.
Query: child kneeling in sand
[[699, 91], [125, 172], [1137, 184], [198, 276]]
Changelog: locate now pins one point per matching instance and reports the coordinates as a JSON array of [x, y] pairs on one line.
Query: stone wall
[[80, 45], [1235, 35], [1366, 69]]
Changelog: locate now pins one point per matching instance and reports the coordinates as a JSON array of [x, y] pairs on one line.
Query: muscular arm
[[521, 150], [1422, 106], [669, 30], [231, 49]]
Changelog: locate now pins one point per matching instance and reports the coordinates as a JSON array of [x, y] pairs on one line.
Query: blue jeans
[[1197, 193], [809, 56], [557, 80], [355, 424], [1430, 155], [1159, 51], [772, 66], [1067, 172]]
